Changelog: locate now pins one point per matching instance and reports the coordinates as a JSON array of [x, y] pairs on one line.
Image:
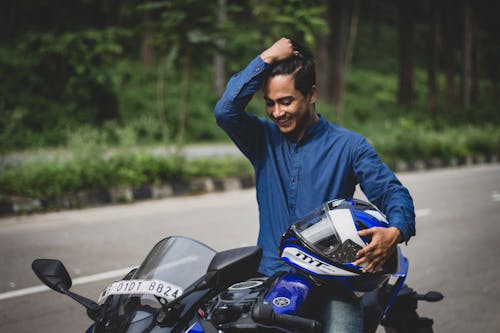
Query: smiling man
[[301, 160], [290, 109]]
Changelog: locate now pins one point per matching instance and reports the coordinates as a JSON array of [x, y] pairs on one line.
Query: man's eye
[[286, 102], [269, 103]]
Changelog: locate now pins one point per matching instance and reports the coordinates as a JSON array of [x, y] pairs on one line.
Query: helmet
[[323, 244]]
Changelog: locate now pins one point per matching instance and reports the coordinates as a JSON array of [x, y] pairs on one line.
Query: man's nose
[[277, 111]]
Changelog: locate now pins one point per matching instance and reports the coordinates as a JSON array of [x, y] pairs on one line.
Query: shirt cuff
[[403, 223]]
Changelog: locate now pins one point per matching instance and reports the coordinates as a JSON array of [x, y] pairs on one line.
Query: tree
[[338, 20], [147, 48], [187, 28], [219, 62], [406, 93], [467, 55], [448, 14], [291, 18], [433, 56]]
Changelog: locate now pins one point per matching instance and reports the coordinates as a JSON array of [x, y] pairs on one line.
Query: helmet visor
[[319, 232]]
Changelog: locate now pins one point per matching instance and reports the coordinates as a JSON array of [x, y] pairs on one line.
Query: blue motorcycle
[[185, 286]]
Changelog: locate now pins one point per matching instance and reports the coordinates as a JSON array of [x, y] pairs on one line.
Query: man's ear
[[311, 98]]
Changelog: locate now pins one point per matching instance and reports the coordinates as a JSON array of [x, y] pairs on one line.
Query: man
[[301, 161]]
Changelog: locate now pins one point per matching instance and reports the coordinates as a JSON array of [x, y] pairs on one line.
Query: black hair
[[300, 65]]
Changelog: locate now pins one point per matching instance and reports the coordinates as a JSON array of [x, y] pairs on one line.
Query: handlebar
[[263, 313]]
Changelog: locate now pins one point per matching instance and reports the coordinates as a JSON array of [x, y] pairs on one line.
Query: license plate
[[158, 288]]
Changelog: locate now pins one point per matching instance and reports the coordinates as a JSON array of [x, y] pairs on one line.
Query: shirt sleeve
[[383, 189], [244, 129]]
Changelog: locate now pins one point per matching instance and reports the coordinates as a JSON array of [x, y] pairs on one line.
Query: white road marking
[[121, 272], [423, 212], [90, 278], [495, 196], [77, 281]]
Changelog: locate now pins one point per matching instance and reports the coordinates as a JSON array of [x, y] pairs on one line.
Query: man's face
[[287, 107]]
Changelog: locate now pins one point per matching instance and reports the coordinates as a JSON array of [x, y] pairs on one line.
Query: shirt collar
[[313, 130]]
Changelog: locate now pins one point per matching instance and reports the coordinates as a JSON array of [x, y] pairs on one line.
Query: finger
[[371, 247], [366, 232], [368, 268], [362, 256], [375, 265], [360, 261], [379, 264], [366, 256]]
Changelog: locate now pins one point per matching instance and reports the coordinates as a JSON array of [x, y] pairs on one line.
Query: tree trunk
[[147, 49], [338, 25], [433, 58], [467, 56], [219, 58], [474, 67], [448, 13], [494, 91], [406, 53], [323, 77], [351, 41], [375, 28], [353, 32], [160, 99], [186, 67]]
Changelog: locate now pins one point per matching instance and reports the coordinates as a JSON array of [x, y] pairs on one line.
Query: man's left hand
[[383, 243]]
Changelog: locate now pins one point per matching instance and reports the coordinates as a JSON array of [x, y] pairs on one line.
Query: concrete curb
[[126, 194]]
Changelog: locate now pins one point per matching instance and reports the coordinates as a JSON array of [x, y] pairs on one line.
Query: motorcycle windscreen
[[173, 265], [177, 260]]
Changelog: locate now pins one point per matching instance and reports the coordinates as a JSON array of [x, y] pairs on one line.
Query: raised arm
[[245, 129], [281, 49]]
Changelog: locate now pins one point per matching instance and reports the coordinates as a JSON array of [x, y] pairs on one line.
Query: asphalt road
[[456, 250]]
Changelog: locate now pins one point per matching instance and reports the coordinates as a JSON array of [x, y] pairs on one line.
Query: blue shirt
[[293, 178]]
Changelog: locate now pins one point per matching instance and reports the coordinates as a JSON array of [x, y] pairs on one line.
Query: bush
[[52, 179]]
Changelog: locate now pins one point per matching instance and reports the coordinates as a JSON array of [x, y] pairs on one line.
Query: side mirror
[[53, 274]]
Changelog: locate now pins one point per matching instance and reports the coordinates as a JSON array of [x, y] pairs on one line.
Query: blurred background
[[84, 78], [111, 101]]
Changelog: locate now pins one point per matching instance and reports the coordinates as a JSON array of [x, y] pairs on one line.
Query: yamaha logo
[[281, 301]]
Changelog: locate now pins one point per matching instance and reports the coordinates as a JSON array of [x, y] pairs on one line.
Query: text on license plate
[[158, 288]]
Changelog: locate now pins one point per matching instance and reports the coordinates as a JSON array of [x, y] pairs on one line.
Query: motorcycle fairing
[[289, 293], [177, 260], [401, 274], [195, 328]]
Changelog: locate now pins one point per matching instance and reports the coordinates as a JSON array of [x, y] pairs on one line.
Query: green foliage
[[81, 86], [218, 167], [289, 18], [53, 179], [61, 80], [410, 141], [183, 24]]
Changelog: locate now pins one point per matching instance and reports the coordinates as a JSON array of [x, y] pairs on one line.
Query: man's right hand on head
[[280, 50]]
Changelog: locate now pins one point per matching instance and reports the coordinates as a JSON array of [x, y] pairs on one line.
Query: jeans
[[343, 316]]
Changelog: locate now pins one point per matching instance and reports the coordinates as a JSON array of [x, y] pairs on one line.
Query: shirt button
[[257, 69]]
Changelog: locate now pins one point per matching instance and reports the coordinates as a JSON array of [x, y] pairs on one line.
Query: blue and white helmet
[[324, 243]]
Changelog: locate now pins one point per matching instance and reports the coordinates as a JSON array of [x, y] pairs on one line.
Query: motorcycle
[[185, 286]]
